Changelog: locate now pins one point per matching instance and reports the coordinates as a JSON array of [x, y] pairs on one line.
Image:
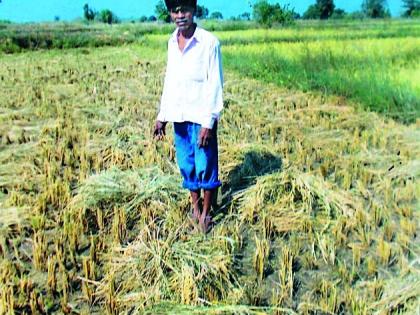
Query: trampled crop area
[[320, 163]]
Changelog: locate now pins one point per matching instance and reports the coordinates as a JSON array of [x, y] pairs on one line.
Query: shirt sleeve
[[164, 98], [214, 87]]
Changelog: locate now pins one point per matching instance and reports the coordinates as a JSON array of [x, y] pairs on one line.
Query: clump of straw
[[177, 267], [130, 188], [289, 198], [401, 292]]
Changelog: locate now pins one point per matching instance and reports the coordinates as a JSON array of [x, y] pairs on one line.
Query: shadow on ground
[[244, 175]]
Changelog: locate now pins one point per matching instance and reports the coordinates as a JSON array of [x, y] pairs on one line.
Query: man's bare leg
[[204, 219], [195, 198]]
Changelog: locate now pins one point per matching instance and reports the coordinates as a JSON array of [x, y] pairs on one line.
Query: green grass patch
[[365, 70], [302, 32]]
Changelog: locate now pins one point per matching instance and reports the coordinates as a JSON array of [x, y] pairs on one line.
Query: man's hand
[[159, 132], [204, 137]]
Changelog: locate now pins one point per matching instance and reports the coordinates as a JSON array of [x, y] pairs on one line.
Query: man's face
[[183, 17]]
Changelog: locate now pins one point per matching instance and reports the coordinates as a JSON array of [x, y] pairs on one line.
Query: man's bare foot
[[205, 222], [195, 215], [196, 204]]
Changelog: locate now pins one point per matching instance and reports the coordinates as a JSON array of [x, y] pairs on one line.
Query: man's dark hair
[[171, 4]]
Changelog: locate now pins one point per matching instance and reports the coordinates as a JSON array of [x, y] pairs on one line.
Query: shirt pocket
[[195, 92], [197, 71]]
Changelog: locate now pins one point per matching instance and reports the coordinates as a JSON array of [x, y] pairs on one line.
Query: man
[[192, 99]]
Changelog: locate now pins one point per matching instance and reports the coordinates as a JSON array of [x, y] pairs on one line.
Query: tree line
[[268, 14], [162, 14], [104, 16]]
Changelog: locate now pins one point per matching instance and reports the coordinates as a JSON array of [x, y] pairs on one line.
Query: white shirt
[[193, 87]]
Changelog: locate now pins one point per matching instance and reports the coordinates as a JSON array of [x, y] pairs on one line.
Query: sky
[[67, 10]]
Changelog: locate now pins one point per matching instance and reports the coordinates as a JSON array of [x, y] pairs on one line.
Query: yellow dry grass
[[318, 212]]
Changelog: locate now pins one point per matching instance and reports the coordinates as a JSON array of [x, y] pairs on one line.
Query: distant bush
[[357, 15], [227, 25], [312, 13], [375, 9], [322, 9], [201, 12], [107, 16], [19, 37], [412, 7], [9, 47], [268, 14], [216, 16], [89, 13], [246, 16], [339, 14]]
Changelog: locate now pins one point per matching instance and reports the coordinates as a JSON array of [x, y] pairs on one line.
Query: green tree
[[201, 12], [322, 9], [267, 14], [326, 8], [216, 16], [162, 12], [375, 9], [312, 13], [410, 7], [246, 16], [89, 13], [107, 16]]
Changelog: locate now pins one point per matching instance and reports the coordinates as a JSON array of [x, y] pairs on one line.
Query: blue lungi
[[198, 166]]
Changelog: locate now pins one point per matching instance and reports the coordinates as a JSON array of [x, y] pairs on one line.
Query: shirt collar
[[197, 35]]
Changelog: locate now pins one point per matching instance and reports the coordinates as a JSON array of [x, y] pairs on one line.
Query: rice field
[[371, 72], [318, 212]]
